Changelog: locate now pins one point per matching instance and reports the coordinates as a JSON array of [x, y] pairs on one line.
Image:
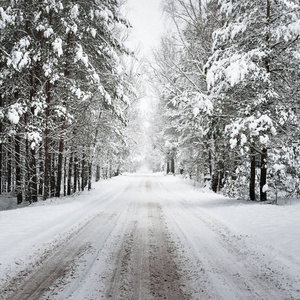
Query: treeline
[[229, 78], [62, 95]]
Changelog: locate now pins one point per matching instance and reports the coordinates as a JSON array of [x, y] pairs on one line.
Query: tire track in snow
[[145, 265], [50, 273], [148, 243], [164, 273], [219, 264]]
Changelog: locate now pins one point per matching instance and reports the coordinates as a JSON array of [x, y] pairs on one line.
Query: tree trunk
[[210, 163], [47, 166], [172, 167], [33, 180], [9, 158], [263, 175], [69, 187], [65, 176], [59, 167], [252, 175], [47, 155], [90, 177], [52, 181], [27, 165], [41, 170], [18, 170], [83, 172], [1, 151], [75, 173], [61, 142], [1, 162], [32, 162], [97, 173]]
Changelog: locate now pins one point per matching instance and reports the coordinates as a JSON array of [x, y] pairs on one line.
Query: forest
[[226, 79]]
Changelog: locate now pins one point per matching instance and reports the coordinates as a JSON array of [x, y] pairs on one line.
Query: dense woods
[[63, 95], [227, 76], [228, 82]]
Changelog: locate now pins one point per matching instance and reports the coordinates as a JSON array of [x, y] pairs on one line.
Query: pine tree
[[247, 74], [60, 70], [187, 107]]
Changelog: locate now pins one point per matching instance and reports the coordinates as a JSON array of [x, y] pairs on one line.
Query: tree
[[187, 107], [60, 62], [252, 77]]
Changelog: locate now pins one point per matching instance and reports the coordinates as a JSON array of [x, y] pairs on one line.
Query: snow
[[96, 78], [40, 27], [291, 4], [243, 139], [273, 226], [236, 71], [37, 16], [93, 32], [236, 29], [203, 103], [261, 126], [274, 230], [74, 12], [73, 28], [20, 57], [288, 32], [35, 138], [278, 167], [196, 111], [232, 65], [5, 18], [104, 14], [264, 139], [48, 32], [14, 113], [57, 46], [233, 143], [80, 55], [13, 116], [26, 230], [265, 188], [210, 78], [107, 98]]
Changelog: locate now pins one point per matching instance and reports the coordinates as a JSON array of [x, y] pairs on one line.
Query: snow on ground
[[28, 230], [31, 231], [277, 226]]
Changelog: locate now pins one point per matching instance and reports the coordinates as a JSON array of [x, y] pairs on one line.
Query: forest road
[[147, 242]]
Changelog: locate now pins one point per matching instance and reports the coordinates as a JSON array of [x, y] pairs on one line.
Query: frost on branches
[[61, 80], [252, 76]]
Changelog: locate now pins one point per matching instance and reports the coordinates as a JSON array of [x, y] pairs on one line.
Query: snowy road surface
[[138, 237]]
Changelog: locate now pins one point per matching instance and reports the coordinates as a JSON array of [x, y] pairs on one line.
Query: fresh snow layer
[[276, 226], [28, 232]]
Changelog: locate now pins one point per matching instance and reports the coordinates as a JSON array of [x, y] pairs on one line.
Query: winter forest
[[225, 84]]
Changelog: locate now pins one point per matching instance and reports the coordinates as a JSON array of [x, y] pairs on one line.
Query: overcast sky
[[146, 17]]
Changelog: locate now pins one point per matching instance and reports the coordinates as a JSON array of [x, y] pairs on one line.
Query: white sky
[[146, 18]]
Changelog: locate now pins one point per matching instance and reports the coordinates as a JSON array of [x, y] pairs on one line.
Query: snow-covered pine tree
[[19, 94], [253, 75], [188, 110], [59, 64]]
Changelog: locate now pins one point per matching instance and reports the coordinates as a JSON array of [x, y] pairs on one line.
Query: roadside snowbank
[[274, 226]]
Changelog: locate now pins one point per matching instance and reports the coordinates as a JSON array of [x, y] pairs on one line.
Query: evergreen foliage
[[63, 95], [229, 81]]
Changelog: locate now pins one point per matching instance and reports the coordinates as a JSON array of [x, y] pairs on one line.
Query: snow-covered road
[[140, 237]]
